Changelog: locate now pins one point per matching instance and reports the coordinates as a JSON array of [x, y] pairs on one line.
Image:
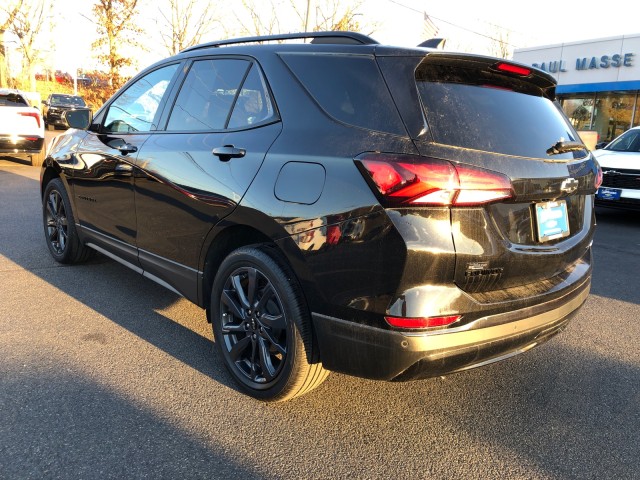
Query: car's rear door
[[196, 171]]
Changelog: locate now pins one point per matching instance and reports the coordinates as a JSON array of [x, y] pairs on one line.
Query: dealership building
[[598, 81]]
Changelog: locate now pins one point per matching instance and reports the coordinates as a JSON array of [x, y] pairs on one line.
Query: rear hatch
[[19, 123], [527, 216]]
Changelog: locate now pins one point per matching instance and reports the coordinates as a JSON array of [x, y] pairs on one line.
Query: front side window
[[136, 108], [207, 95]]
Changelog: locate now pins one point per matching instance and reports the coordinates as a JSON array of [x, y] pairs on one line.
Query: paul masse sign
[[589, 66]]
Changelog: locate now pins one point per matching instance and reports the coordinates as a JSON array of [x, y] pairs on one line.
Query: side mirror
[[80, 118]]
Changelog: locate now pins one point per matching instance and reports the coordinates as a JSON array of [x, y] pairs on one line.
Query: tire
[[59, 226], [262, 326], [38, 159]]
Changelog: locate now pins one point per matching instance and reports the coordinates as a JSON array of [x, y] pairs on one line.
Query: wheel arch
[[226, 238], [48, 174]]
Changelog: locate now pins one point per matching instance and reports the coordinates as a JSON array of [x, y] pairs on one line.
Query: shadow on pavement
[[64, 426]]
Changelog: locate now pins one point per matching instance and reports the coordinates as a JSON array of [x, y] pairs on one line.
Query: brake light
[[35, 115], [511, 68], [598, 179], [408, 179], [422, 322]]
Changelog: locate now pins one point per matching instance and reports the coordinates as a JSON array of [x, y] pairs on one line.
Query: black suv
[[391, 213], [56, 104]]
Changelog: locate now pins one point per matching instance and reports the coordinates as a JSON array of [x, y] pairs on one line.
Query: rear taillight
[[422, 322], [412, 180], [35, 115], [598, 179]]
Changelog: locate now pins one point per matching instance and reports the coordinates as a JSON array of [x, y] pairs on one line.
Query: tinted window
[[494, 119], [135, 109], [12, 100], [57, 100], [207, 94], [627, 142], [349, 88], [253, 104]]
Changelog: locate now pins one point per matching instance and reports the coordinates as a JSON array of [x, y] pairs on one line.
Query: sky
[[467, 25]]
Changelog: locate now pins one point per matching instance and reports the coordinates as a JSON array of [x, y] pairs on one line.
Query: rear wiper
[[564, 147]]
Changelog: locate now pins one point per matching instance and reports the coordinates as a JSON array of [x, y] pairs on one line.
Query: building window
[[613, 114], [579, 110]]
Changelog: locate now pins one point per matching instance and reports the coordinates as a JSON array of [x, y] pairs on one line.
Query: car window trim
[[175, 90]]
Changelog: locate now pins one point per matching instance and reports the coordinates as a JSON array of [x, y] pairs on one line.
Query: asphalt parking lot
[[105, 374]]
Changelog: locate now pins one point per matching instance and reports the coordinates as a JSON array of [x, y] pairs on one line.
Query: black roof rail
[[352, 38]]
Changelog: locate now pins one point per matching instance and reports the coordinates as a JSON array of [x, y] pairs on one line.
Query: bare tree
[[27, 25], [500, 45], [278, 16], [115, 20], [334, 15], [261, 22], [9, 12], [189, 21]]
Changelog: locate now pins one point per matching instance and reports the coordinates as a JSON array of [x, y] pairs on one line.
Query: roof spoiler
[[434, 43]]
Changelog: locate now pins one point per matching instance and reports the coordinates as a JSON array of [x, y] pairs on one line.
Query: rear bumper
[[21, 145], [380, 354]]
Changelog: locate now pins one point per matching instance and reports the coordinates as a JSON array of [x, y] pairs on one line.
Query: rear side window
[[349, 88], [483, 117], [206, 97], [253, 104], [12, 100]]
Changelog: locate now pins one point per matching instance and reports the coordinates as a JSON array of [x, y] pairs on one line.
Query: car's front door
[[195, 172], [102, 180]]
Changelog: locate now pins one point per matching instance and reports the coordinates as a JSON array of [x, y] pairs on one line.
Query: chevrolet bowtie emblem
[[569, 185]]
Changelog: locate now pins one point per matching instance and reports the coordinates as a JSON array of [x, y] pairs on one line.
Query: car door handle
[[123, 169], [228, 152]]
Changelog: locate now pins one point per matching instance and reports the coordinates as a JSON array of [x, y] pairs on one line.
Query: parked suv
[[391, 213], [21, 127], [56, 104], [620, 161]]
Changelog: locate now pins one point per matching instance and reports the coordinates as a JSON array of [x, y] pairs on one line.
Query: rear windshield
[[12, 100], [350, 88], [495, 119]]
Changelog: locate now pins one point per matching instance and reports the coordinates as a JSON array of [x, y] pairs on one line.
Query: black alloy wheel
[[59, 225], [254, 325], [56, 222], [262, 326]]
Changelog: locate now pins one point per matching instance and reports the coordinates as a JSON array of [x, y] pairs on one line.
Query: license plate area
[[552, 220], [605, 193]]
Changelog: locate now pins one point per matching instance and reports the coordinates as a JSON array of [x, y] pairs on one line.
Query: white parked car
[[620, 162], [21, 127]]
